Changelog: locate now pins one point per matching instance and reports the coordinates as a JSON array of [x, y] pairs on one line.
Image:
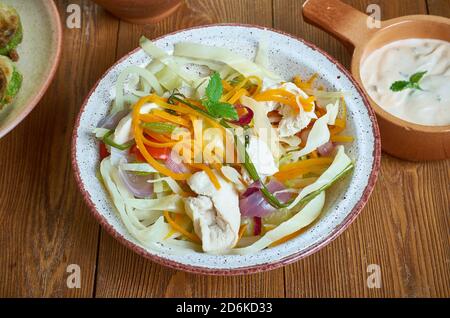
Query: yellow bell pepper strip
[[192, 237], [307, 103], [242, 231], [307, 163], [334, 130], [138, 136], [341, 121], [338, 138], [226, 86], [238, 95], [228, 95], [305, 85]]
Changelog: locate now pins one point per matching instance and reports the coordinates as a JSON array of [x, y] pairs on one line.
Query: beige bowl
[[141, 11], [39, 56], [399, 138]]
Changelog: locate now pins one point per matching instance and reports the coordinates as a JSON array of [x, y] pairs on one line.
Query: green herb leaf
[[415, 78], [221, 110], [160, 128], [212, 104], [412, 83], [214, 89], [399, 86]]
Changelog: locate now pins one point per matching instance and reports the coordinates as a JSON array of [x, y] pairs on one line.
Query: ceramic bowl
[[288, 56], [400, 138], [39, 53], [141, 11]]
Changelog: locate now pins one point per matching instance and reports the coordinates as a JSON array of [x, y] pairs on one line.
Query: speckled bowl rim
[[53, 10], [255, 268]]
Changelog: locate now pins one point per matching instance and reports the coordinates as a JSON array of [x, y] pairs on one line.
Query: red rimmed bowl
[[288, 56]]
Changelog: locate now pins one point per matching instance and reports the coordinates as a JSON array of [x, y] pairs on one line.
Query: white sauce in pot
[[397, 61]]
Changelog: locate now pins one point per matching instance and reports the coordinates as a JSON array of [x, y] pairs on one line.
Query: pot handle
[[344, 22]]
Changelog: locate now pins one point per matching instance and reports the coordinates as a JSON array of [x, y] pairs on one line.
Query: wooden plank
[[45, 225], [121, 273], [403, 228], [439, 7]]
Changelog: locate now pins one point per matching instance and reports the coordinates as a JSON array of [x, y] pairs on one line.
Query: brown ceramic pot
[[398, 137], [140, 11]]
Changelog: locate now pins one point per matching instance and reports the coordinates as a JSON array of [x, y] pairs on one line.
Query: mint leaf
[[416, 77], [413, 82], [214, 89], [221, 110], [399, 86]]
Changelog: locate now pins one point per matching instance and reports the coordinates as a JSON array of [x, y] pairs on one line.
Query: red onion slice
[[257, 228], [326, 149], [254, 187], [253, 203], [175, 163], [111, 120], [137, 184], [246, 118]]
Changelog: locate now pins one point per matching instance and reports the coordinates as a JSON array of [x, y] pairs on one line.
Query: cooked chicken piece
[[215, 213], [292, 123]]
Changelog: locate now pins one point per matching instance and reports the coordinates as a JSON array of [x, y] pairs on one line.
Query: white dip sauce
[[397, 61]]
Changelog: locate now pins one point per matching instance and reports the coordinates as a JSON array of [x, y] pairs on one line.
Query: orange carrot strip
[[192, 237], [170, 117], [140, 142]]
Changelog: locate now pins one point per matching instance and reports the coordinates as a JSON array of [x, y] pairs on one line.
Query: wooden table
[[45, 225]]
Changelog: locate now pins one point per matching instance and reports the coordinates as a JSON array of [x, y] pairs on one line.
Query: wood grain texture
[[147, 279], [45, 225], [439, 7], [404, 227]]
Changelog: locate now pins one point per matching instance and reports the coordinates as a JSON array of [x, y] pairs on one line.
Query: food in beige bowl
[[143, 218], [39, 54]]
